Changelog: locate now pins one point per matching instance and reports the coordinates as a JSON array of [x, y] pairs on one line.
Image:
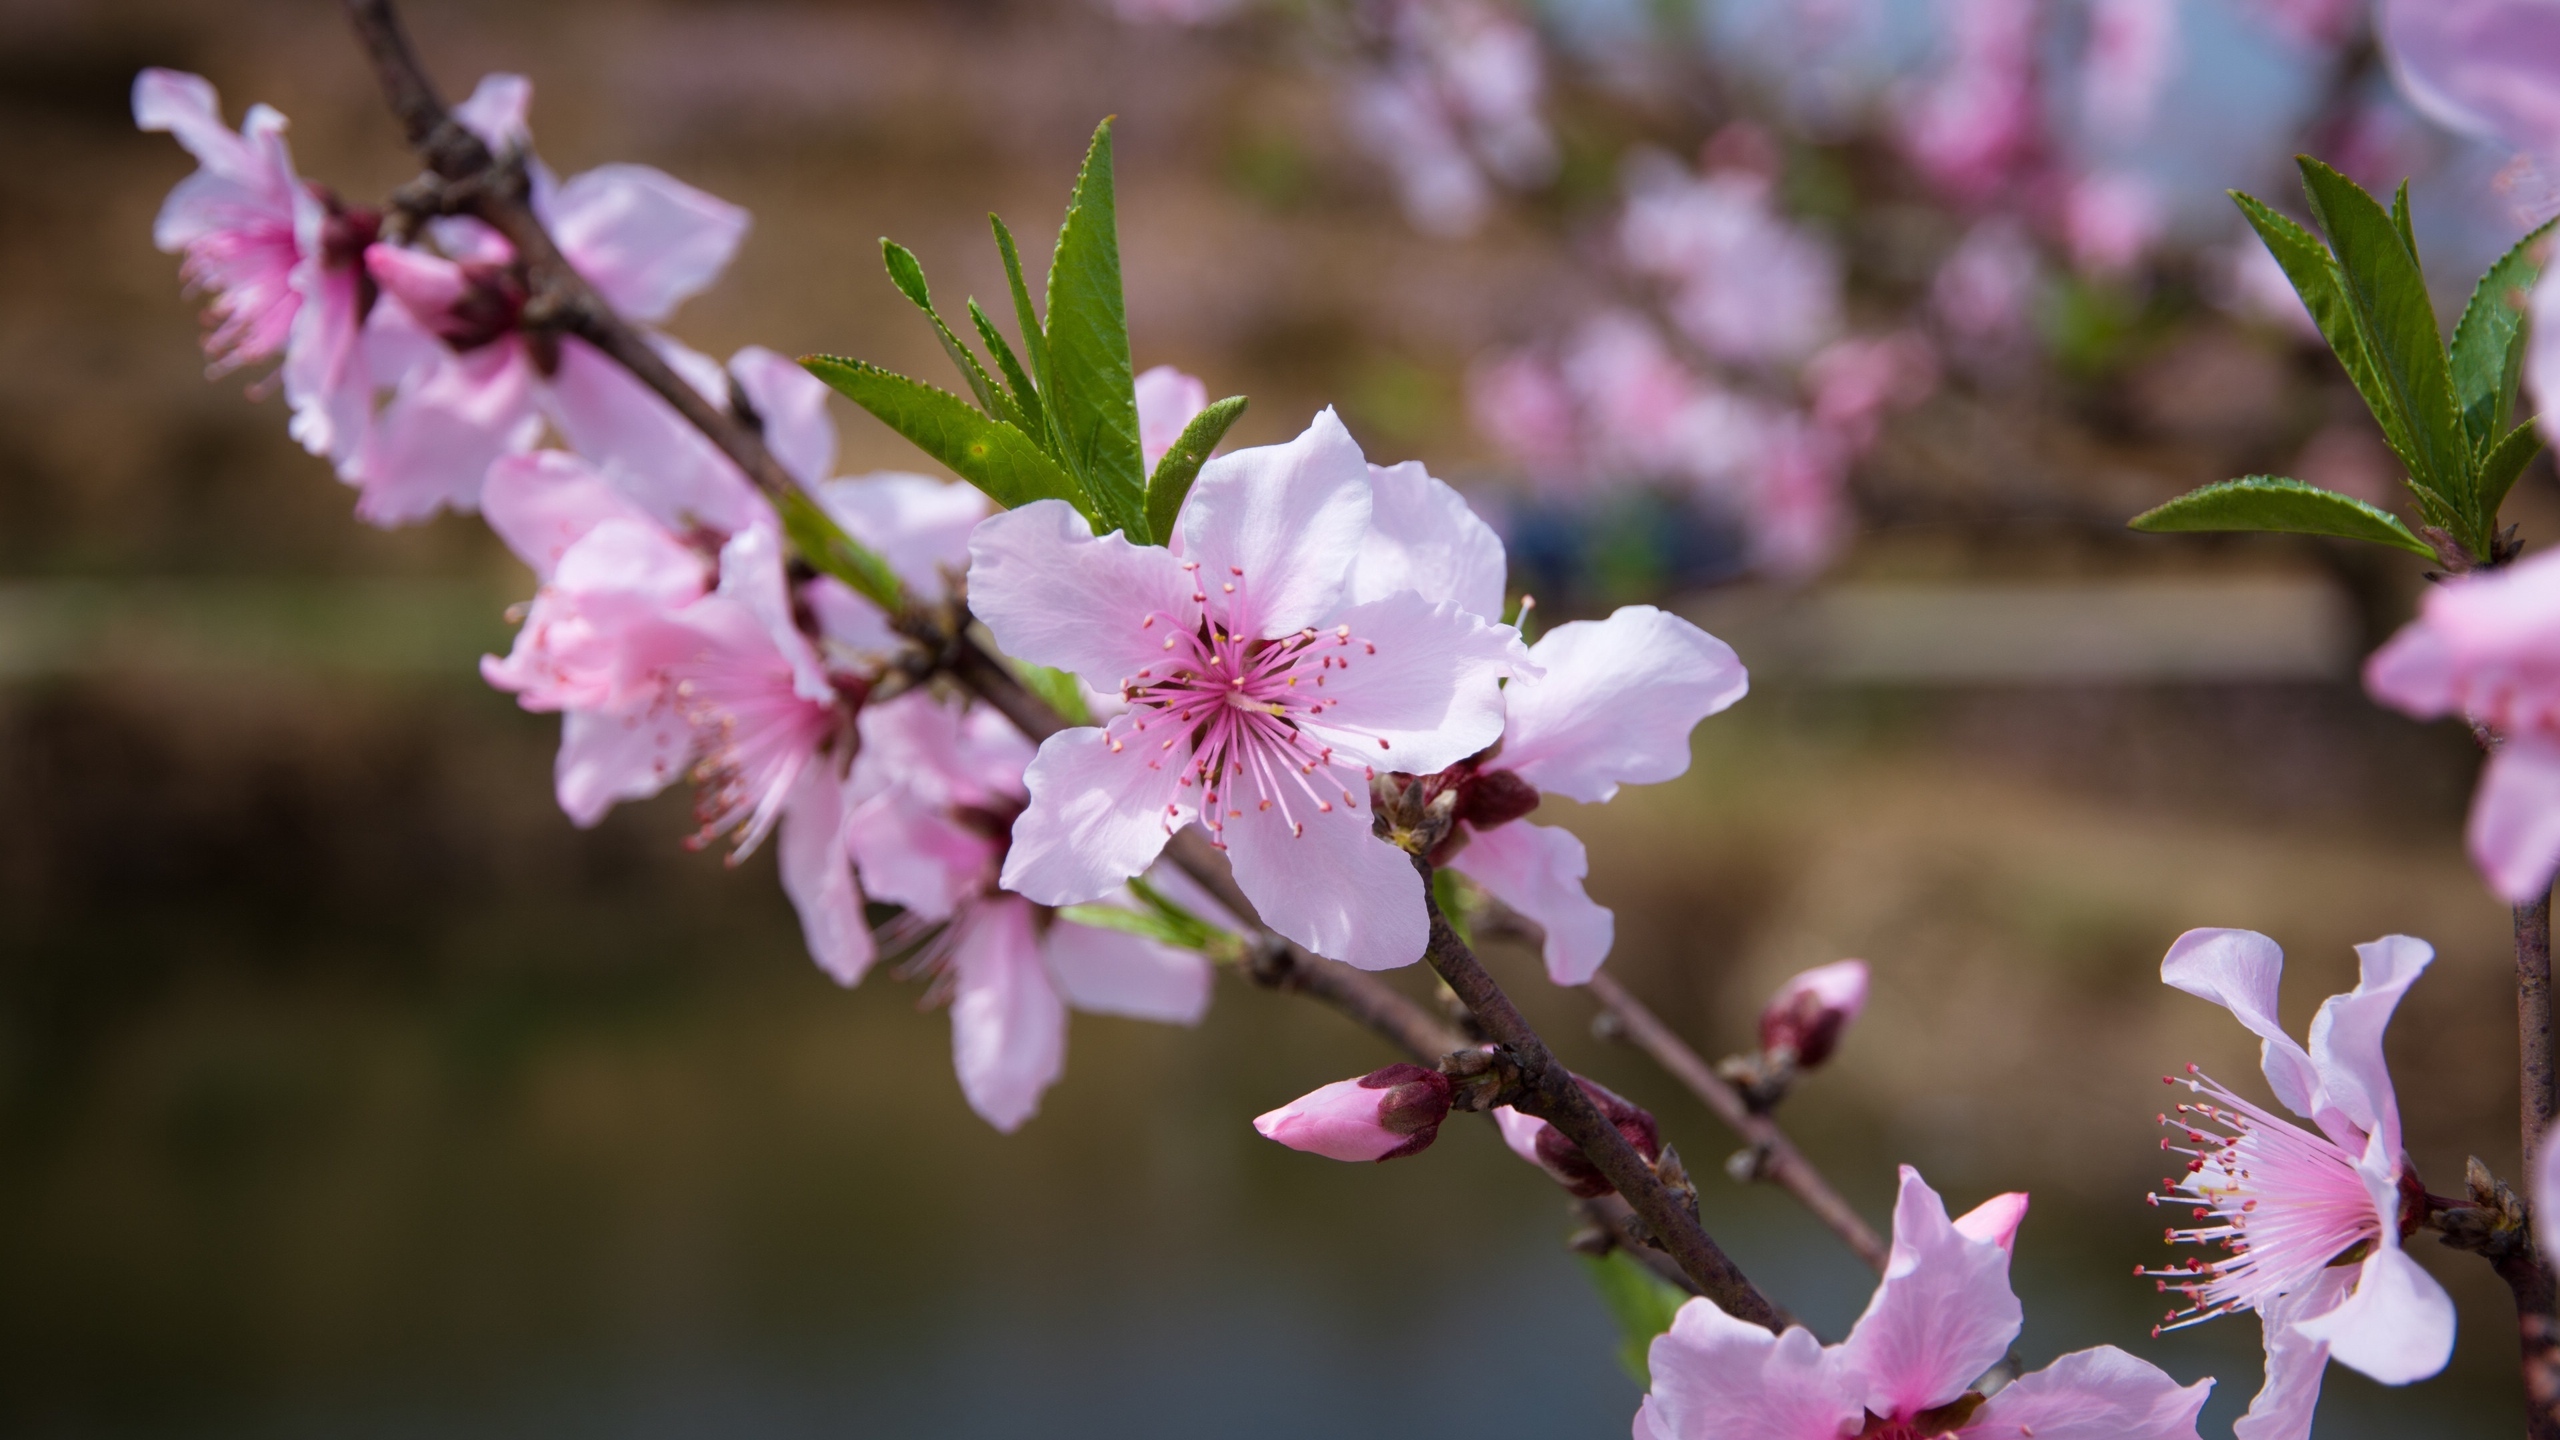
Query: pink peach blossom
[[1261, 695], [1943, 1315], [1971, 127], [1167, 401], [2484, 68], [1745, 284], [1384, 1115], [2285, 1206], [1807, 1015], [2486, 647], [1546, 1147]]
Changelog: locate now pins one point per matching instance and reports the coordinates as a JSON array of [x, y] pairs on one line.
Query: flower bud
[[1382, 1115], [1546, 1147], [1805, 1018]]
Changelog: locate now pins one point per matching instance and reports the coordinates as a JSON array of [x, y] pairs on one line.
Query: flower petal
[[607, 757], [2100, 1394], [2515, 818], [496, 111], [1008, 1026], [1719, 1378], [2240, 970], [1995, 1221], [1100, 813], [2397, 1326], [1334, 887], [189, 109], [1289, 517], [1538, 870], [1167, 401], [1617, 702], [2283, 1406], [644, 238], [545, 502], [817, 873], [1056, 596], [792, 403], [2346, 1043], [920, 525], [912, 853], [1107, 972], [1943, 1314], [1429, 697], [432, 445], [1423, 537], [648, 450], [326, 379]]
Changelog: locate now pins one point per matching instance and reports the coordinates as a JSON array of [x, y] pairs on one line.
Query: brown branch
[[2533, 1023], [1774, 1156]]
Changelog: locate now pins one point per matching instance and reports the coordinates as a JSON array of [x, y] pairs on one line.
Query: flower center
[[2280, 1202], [1231, 709]]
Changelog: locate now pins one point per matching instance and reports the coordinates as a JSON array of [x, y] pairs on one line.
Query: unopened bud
[[1546, 1147], [1804, 1019], [1380, 1116]]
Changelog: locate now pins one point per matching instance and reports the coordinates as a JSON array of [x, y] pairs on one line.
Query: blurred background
[[347, 1090]]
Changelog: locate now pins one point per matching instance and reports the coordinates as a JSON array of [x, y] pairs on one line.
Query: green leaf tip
[[1181, 464], [2272, 503], [988, 453], [1090, 389]]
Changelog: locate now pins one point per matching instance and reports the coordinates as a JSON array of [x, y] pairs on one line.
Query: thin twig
[[1775, 1157], [2533, 1023]]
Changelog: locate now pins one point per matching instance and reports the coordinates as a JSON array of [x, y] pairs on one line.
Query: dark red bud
[[1494, 797], [1417, 1100], [1807, 1015], [1564, 1160]]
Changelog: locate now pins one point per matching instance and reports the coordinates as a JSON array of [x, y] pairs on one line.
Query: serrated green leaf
[[2400, 222], [2389, 297], [2504, 462], [1641, 1302], [1181, 464], [988, 453], [1026, 398], [2316, 278], [2488, 346], [1035, 339], [1058, 688], [1090, 392], [823, 543], [908, 276], [2268, 502]]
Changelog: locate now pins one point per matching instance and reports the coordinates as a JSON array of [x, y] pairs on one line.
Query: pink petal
[[1943, 1314], [847, 621], [1520, 1132], [1098, 816], [1617, 702], [607, 757], [920, 525], [1995, 1221], [1424, 537], [1337, 1121], [817, 873], [1107, 972], [433, 444], [2397, 1326], [325, 375], [2100, 1394], [1334, 888], [1056, 596], [1290, 517], [1538, 870], [2239, 970], [1719, 1378], [751, 573], [647, 448], [964, 755], [189, 109], [792, 403], [2542, 356], [2515, 818], [1008, 1026], [496, 111], [428, 286], [1429, 697], [914, 854], [545, 502], [1167, 402], [647, 240], [2417, 671], [2346, 1040], [2479, 67], [2283, 1406]]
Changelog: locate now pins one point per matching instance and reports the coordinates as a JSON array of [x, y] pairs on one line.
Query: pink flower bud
[[1380, 1116], [1546, 1147], [1808, 1013]]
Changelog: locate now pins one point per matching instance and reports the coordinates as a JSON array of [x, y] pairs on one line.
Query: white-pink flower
[[1262, 695], [1384, 1115], [2483, 68], [2486, 646], [2287, 1210], [935, 791], [1943, 1315], [1745, 283], [281, 260], [646, 241], [1972, 126]]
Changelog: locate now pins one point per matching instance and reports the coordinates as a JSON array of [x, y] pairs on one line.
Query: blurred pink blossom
[[1942, 1316], [1983, 291], [1167, 401], [1809, 1012], [2486, 647], [2245, 279], [2133, 51], [1972, 126], [2284, 1206], [2316, 24], [2110, 220], [1272, 691], [2484, 68], [1455, 109], [1384, 1115], [1856, 382], [280, 258], [1745, 284], [1799, 513], [1520, 403]]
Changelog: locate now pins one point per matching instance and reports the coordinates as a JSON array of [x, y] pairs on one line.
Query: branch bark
[[1776, 1157], [2533, 1023]]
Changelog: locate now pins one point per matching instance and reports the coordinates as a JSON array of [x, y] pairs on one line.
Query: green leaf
[[2400, 221], [1058, 688], [1092, 401], [1035, 340], [2316, 278], [1181, 464], [2504, 462], [822, 542], [908, 276], [2389, 297], [988, 453], [1457, 904], [1642, 1303], [2488, 346], [2267, 502], [1026, 398], [1158, 918]]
